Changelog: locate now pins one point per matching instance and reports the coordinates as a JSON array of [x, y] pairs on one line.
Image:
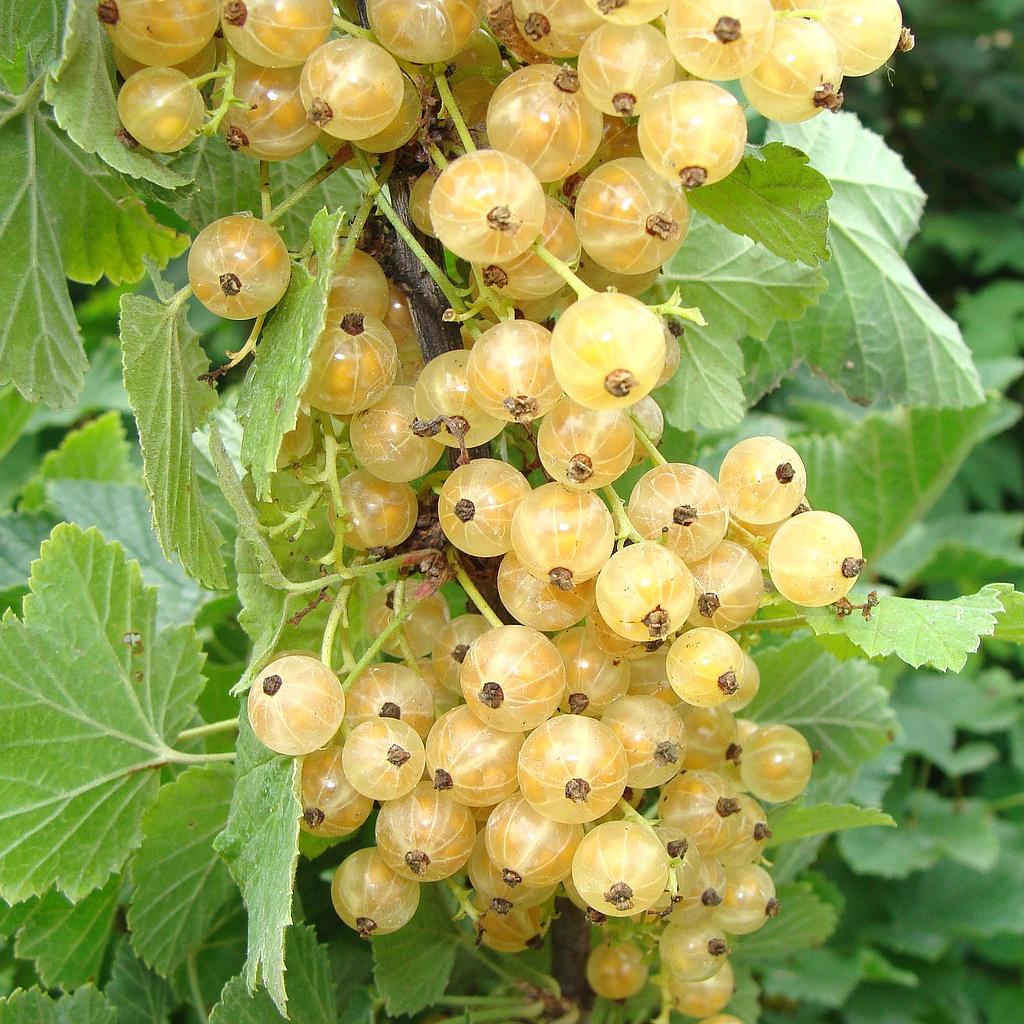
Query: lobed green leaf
[[138, 993], [86, 1006], [798, 821]]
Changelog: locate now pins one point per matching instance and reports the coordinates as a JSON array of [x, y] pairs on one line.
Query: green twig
[[788, 623], [472, 591], [452, 110], [646, 442], [314, 181], [564, 271], [400, 613], [624, 529], [208, 729]]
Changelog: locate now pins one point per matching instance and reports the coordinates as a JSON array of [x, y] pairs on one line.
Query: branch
[[570, 947]]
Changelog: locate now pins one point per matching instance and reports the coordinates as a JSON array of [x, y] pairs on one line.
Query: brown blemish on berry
[[464, 510], [727, 30], [562, 578], [107, 12], [684, 515], [492, 695], [580, 468], [230, 284], [494, 276], [578, 703], [666, 753], [511, 878], [619, 383], [568, 80], [624, 103], [389, 709], [693, 177], [661, 225], [828, 97], [235, 13], [852, 567], [708, 604], [620, 896], [500, 219], [271, 684], [521, 407], [353, 323], [727, 805], [577, 790], [442, 780], [313, 817], [397, 755], [365, 927], [417, 861], [236, 139], [536, 26], [727, 683], [320, 112]]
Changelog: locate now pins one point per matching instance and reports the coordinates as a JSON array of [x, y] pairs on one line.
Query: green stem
[[436, 273], [314, 181], [401, 612], [177, 757], [338, 611], [209, 729], [647, 443], [760, 625], [1007, 803], [266, 200], [250, 342], [200, 80], [564, 271], [624, 529], [437, 156], [195, 989], [228, 98], [452, 109], [473, 593], [351, 29]]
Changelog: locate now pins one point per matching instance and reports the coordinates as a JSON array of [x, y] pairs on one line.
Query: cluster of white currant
[[591, 748]]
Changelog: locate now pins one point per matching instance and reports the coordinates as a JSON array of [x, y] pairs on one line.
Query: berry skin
[[648, 675], [700, 807], [594, 679], [383, 758], [161, 109], [710, 733], [443, 390], [424, 31], [608, 350], [384, 443], [704, 666], [390, 691], [352, 366], [653, 737], [572, 769], [621, 66], [776, 763], [815, 559], [159, 34], [620, 868], [192, 67], [692, 954], [629, 219], [748, 900], [504, 891], [472, 761], [487, 207], [369, 897], [330, 806], [800, 77], [763, 480], [721, 40], [425, 835], [271, 124], [704, 998], [563, 537], [429, 615], [528, 847], [476, 506], [513, 678], [351, 88], [296, 705], [692, 133], [539, 115], [628, 12], [510, 374], [402, 127], [519, 929], [585, 448], [538, 602], [359, 286], [451, 647], [682, 507], [729, 587], [377, 513], [276, 33], [866, 32], [616, 972], [558, 28], [238, 267], [645, 592]]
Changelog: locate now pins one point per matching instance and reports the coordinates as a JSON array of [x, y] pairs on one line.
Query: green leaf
[[15, 413], [797, 821], [742, 289], [1010, 624], [98, 451], [68, 941], [181, 884], [939, 634], [876, 333], [121, 512], [746, 997], [776, 199], [888, 471], [821, 976], [804, 920], [20, 537], [269, 400], [138, 993], [86, 1006], [310, 988], [839, 706], [412, 966], [930, 829], [80, 89], [91, 698], [162, 361], [261, 846], [228, 182], [40, 345], [31, 28], [343, 190]]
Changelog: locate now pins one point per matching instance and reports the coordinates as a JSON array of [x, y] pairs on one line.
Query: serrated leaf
[[162, 363], [742, 289], [121, 512], [412, 966], [269, 400], [343, 190], [798, 821], [98, 451], [887, 472], [821, 976], [41, 349], [875, 332], [310, 988], [839, 706], [15, 413], [939, 634], [805, 920], [1010, 624], [774, 198], [181, 884], [20, 537], [31, 28], [86, 1006], [68, 941], [137, 993], [91, 698], [226, 182], [80, 89], [261, 846]]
